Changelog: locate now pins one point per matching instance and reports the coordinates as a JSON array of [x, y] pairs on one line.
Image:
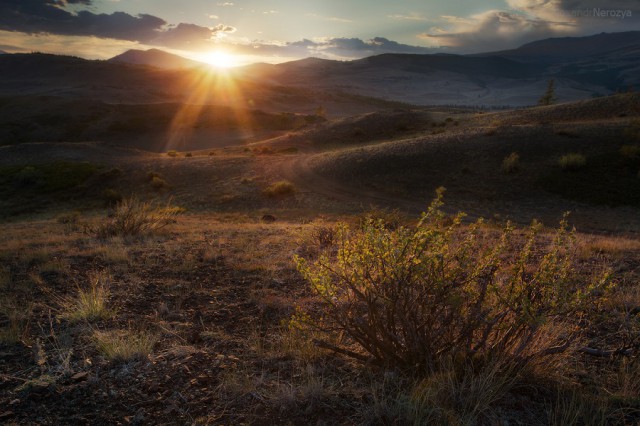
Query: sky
[[281, 30]]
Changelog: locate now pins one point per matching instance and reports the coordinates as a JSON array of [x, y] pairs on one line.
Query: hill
[[464, 152], [123, 83], [156, 58]]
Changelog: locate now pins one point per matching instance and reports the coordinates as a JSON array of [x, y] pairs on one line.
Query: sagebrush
[[411, 297], [133, 217]]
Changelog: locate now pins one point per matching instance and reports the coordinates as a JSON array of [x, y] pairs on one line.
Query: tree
[[549, 98]]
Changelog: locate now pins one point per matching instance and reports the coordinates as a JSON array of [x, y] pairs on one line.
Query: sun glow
[[220, 59]]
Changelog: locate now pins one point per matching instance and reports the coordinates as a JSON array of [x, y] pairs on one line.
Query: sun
[[220, 59]]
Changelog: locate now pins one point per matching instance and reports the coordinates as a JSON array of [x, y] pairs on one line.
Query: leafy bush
[[172, 153], [511, 163], [572, 161], [412, 297], [280, 189], [391, 219], [132, 217]]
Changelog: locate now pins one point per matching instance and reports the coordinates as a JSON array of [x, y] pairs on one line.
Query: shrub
[[390, 219], [188, 155], [172, 153], [572, 161], [412, 297], [158, 183], [511, 163], [280, 189], [133, 217]]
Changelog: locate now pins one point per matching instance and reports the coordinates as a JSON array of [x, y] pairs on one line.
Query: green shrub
[[158, 183], [390, 219], [511, 163], [412, 297], [280, 189], [132, 217], [572, 161]]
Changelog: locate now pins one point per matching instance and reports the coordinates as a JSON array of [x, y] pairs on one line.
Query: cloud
[[413, 16], [51, 17], [329, 18], [85, 47], [530, 20], [330, 48]]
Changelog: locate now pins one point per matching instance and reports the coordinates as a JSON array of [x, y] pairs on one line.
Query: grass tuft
[[124, 345], [511, 163], [572, 161], [91, 304]]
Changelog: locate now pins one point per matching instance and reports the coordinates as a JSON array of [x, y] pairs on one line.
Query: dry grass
[[511, 163], [17, 315], [133, 217], [90, 304], [125, 345]]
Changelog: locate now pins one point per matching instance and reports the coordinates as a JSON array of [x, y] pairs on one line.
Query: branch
[[324, 345], [606, 354]]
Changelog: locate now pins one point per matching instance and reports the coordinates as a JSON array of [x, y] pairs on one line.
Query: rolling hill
[[156, 58]]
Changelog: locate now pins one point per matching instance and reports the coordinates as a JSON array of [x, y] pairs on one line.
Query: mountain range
[[582, 67]]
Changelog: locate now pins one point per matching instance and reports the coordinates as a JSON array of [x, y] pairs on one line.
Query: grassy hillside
[[294, 280]]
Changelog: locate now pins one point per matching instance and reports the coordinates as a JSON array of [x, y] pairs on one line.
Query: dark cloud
[[530, 20], [50, 17]]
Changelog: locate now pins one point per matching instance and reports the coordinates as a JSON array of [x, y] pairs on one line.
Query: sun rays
[[209, 87], [220, 59]]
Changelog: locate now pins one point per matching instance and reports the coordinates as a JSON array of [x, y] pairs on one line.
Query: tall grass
[[133, 217]]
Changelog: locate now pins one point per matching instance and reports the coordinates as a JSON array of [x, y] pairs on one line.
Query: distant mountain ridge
[[156, 58], [583, 67], [565, 48]]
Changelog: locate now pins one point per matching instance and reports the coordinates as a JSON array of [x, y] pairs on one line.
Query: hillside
[[156, 58], [464, 152], [197, 318]]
